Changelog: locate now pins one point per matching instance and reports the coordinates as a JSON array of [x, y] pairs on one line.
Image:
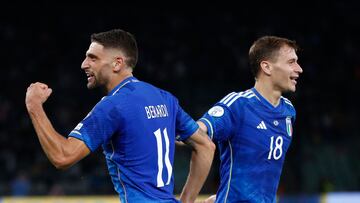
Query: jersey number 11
[[160, 181]]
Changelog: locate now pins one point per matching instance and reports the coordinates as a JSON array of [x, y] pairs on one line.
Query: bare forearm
[[61, 152], [51, 142], [201, 159], [199, 169]]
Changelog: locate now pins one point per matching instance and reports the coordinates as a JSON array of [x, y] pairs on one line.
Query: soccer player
[[253, 128], [136, 124]]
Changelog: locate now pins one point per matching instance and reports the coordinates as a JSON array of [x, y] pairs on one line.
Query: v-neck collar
[[264, 101], [122, 84]]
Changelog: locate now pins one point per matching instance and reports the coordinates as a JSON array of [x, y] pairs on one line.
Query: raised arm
[[61, 152], [201, 159]]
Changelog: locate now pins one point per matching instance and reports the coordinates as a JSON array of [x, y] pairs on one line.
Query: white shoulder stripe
[[246, 95], [247, 92], [289, 104], [285, 98], [234, 99], [227, 96], [233, 96], [287, 101]]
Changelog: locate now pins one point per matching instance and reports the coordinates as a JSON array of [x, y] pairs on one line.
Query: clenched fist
[[36, 94]]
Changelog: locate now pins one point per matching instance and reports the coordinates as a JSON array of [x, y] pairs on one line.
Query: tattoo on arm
[[189, 142]]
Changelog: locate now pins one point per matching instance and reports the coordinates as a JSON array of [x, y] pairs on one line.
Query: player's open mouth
[[90, 76], [293, 79]]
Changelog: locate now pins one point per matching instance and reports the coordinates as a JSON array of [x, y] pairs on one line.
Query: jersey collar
[[122, 84], [265, 101]]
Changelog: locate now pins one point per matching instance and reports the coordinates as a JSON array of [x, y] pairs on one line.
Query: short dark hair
[[266, 48], [119, 39]]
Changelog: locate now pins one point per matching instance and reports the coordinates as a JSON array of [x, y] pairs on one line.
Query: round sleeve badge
[[216, 111]]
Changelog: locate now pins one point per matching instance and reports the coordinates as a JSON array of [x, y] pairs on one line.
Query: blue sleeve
[[185, 125], [98, 126], [219, 122]]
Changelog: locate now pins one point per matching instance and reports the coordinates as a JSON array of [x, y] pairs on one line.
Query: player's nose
[[298, 69], [84, 64]]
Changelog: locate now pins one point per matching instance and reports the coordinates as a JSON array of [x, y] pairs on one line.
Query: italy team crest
[[289, 128]]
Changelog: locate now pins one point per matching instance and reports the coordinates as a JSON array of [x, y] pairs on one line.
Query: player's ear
[[118, 64], [265, 67]]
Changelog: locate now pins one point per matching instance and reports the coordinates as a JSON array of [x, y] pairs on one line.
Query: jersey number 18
[[276, 151]]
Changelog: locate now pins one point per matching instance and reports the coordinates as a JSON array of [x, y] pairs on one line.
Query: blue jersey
[[253, 137], [136, 125]]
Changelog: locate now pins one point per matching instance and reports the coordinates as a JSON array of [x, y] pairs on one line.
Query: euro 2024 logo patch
[[289, 128], [216, 111]]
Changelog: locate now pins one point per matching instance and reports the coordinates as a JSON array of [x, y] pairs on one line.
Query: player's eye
[[292, 61]]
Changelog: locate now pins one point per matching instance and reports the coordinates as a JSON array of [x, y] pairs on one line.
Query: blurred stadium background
[[198, 54]]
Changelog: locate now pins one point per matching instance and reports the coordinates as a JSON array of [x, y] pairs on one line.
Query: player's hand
[[36, 94], [179, 143], [210, 199]]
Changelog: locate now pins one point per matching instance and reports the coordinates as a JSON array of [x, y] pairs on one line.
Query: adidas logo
[[261, 126]]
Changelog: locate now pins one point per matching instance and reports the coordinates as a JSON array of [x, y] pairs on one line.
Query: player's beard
[[97, 80], [92, 82]]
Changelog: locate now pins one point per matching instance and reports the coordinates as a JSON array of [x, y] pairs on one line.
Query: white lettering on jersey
[[158, 111]]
